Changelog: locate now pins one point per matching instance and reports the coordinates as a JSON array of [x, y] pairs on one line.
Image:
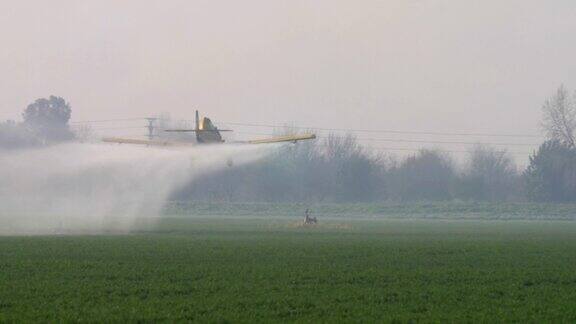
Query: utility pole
[[151, 127]]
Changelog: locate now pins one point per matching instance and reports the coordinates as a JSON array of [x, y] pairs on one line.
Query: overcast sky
[[425, 65]]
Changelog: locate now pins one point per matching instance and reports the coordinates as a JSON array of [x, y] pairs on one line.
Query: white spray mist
[[98, 188]]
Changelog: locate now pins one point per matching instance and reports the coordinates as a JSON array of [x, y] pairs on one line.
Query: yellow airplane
[[207, 133]]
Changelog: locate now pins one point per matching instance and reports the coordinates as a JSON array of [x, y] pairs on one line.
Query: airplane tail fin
[[206, 132]]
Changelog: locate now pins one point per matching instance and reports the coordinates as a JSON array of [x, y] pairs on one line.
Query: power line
[[444, 142], [334, 129], [113, 128], [351, 130], [371, 147], [104, 120], [415, 141], [384, 131], [406, 149]]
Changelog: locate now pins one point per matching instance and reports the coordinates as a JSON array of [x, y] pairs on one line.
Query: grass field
[[252, 270], [432, 210]]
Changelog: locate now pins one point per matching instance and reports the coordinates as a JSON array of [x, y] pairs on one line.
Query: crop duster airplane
[[207, 133]]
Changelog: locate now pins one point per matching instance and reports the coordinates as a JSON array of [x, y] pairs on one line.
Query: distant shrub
[[14, 135], [551, 175], [427, 175], [48, 119], [45, 122], [489, 175]]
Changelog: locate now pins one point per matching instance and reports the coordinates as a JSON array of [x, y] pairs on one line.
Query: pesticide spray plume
[[99, 188]]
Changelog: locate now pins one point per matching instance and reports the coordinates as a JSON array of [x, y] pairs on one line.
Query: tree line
[[339, 169]]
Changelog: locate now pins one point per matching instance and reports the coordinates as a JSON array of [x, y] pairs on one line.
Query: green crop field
[[219, 269]]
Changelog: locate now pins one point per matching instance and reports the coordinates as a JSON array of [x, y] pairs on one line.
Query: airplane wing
[[280, 139], [207, 133], [144, 142]]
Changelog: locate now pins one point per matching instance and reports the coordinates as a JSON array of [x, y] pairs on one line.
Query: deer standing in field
[[309, 220]]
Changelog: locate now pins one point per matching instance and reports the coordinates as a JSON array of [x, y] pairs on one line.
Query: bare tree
[[559, 120]]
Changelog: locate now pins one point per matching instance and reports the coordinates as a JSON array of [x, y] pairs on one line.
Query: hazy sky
[[429, 65]]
